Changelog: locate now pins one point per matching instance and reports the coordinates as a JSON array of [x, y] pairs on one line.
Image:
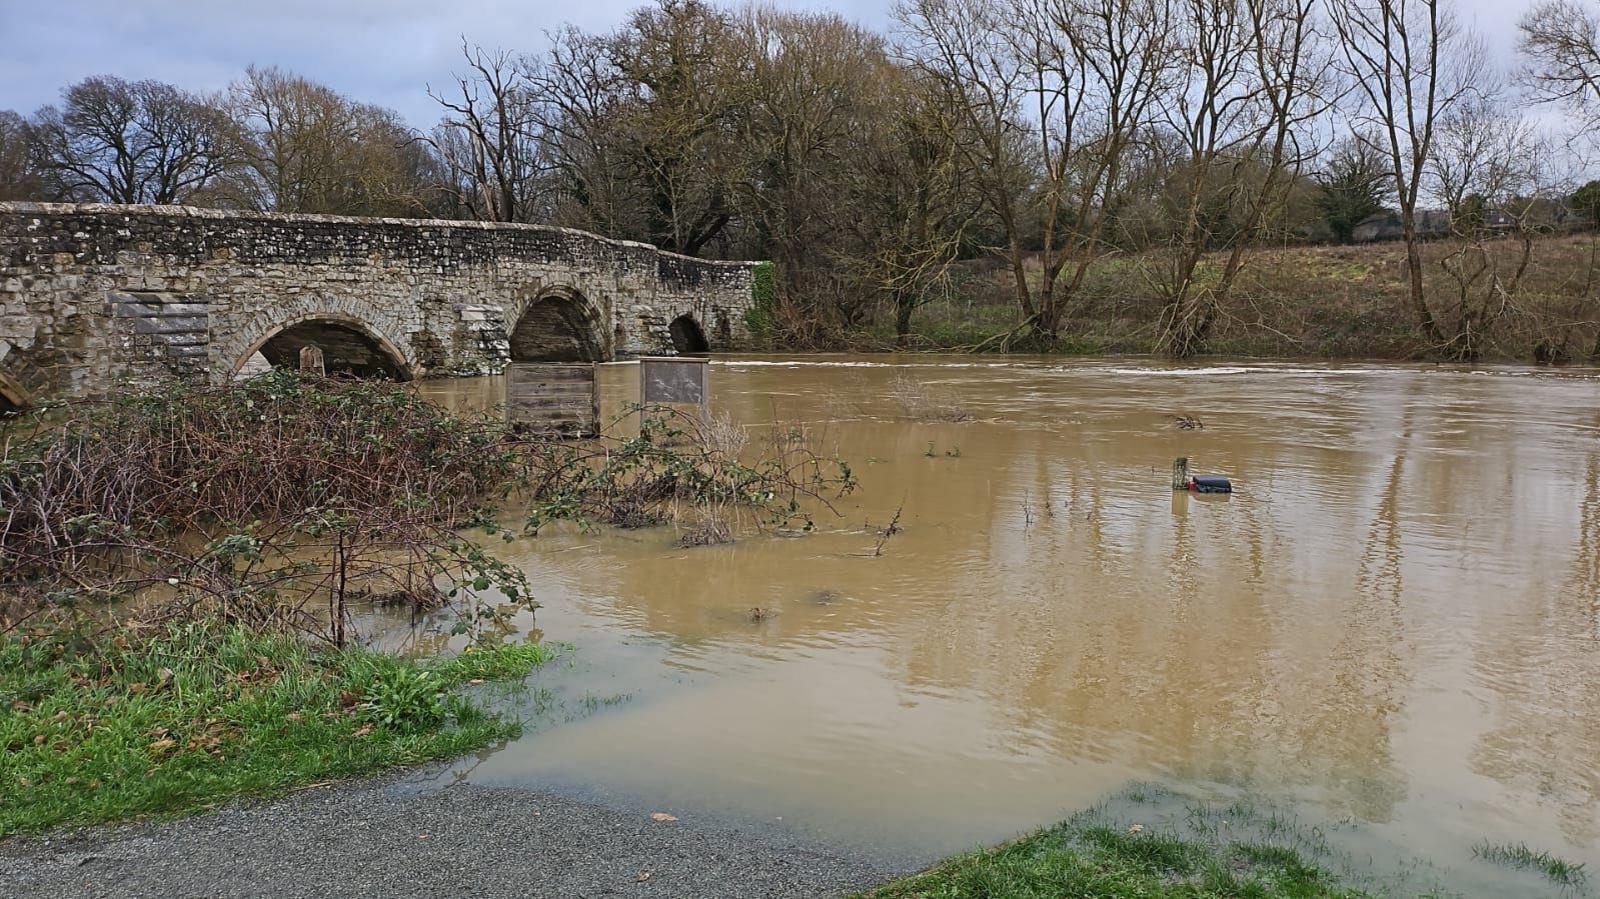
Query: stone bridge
[[93, 297]]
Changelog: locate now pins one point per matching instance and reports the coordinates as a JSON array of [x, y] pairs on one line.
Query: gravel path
[[386, 838]]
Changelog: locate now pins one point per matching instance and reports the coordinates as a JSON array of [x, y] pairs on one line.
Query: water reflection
[[1394, 618]]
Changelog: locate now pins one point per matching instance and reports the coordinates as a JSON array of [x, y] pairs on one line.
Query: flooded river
[[1395, 621]]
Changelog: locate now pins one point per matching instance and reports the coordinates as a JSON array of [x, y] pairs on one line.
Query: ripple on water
[[1393, 619]]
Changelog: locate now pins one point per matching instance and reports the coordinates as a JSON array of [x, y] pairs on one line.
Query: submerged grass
[[186, 715], [1234, 851], [1064, 862], [1154, 841], [1518, 855]]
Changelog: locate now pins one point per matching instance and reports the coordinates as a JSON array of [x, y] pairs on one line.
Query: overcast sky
[[379, 51]]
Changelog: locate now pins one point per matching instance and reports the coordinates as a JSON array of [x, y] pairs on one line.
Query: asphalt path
[[385, 837]]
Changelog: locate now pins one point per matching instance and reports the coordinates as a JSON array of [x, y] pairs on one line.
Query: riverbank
[[1295, 302], [397, 837]]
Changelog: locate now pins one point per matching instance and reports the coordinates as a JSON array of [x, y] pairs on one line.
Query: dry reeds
[[920, 402], [659, 476]]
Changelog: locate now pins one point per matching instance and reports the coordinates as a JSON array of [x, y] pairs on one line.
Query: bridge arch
[[559, 324], [688, 336], [350, 345]]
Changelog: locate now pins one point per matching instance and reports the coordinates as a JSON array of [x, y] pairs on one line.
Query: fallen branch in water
[[890, 531]]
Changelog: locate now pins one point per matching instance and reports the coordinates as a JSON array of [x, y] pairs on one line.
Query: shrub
[[676, 469], [273, 503], [763, 302]]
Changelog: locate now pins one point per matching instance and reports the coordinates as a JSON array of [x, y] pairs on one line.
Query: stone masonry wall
[[92, 296]]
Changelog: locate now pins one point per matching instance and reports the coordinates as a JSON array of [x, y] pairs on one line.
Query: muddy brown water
[[1395, 621]]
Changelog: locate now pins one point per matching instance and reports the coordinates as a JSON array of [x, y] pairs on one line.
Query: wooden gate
[[553, 397]]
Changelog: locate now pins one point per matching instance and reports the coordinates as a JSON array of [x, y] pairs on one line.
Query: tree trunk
[[1419, 301], [1019, 272]]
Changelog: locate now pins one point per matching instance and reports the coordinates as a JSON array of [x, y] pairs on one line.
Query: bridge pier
[[95, 296]]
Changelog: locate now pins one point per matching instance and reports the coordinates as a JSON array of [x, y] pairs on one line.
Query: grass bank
[[1295, 301], [176, 718]]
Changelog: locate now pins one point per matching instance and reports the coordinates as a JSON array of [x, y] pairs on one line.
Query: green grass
[[1556, 869], [1200, 852], [182, 717]]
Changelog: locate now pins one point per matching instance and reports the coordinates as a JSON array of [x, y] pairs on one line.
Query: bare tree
[[300, 130], [908, 205], [641, 123], [1490, 170], [134, 142], [1246, 82], [489, 137], [579, 99], [309, 148], [1068, 83], [1411, 64], [1098, 67], [960, 44], [20, 178], [1560, 44], [1482, 151], [685, 85], [1292, 57], [810, 93]]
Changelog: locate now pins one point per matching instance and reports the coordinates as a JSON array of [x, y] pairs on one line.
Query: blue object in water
[[1210, 483]]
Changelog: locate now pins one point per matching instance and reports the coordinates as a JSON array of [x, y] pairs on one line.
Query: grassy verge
[[181, 717], [1128, 847]]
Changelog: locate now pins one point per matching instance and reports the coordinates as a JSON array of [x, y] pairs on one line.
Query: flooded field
[[1394, 622]]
